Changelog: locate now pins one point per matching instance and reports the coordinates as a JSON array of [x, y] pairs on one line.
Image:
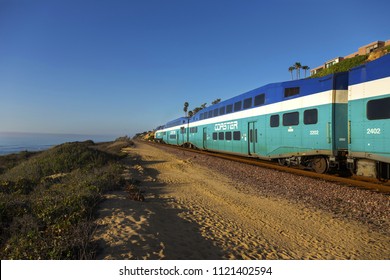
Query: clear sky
[[126, 66]]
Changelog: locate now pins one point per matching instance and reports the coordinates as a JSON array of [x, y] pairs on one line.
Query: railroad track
[[353, 181]]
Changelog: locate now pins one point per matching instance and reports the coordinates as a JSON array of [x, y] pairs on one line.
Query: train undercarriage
[[339, 164], [369, 168], [318, 164]]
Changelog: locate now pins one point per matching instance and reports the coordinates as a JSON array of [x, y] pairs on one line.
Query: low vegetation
[[9, 161], [47, 199], [342, 66], [349, 63]]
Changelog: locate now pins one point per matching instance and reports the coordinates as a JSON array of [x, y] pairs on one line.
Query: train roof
[[276, 92], [176, 122], [376, 69]]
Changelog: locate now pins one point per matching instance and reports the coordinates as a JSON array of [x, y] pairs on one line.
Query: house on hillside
[[367, 49]]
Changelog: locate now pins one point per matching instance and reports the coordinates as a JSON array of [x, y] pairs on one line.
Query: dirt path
[[193, 213]]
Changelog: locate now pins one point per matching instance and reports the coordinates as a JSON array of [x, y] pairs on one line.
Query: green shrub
[[342, 66], [60, 159], [47, 202], [9, 161], [20, 186]]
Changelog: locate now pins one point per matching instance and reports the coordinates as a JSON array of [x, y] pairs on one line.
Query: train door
[[252, 137], [205, 138], [182, 133]]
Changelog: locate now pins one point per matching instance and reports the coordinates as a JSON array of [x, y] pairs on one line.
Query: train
[[336, 123]]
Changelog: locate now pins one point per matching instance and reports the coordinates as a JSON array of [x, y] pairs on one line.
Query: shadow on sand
[[153, 229]]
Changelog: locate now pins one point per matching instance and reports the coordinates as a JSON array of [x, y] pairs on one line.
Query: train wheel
[[320, 165]]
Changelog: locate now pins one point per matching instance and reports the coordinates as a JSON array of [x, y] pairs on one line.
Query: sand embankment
[[191, 212]]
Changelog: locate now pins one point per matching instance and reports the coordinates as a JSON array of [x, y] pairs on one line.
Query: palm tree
[[185, 109], [196, 110], [305, 67], [216, 101], [291, 69], [298, 66]]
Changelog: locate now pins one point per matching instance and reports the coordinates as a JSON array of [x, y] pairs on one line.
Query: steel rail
[[353, 181]]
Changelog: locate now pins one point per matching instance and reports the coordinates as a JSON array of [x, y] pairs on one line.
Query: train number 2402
[[373, 131]]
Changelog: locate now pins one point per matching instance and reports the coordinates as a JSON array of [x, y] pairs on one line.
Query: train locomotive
[[339, 122]]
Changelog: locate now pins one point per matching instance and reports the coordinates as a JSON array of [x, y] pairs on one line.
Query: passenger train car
[[338, 122], [369, 119]]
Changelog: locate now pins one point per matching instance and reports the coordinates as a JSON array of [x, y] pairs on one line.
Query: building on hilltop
[[326, 65], [367, 49]]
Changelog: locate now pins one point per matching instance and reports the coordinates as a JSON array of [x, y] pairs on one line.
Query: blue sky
[[122, 67]]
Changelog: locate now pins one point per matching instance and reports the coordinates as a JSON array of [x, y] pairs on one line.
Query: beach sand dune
[[191, 212]]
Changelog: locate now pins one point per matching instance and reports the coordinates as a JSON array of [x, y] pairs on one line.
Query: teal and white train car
[[338, 121], [174, 132], [302, 122], [369, 119]]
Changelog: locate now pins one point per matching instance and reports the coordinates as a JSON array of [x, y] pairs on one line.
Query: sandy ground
[[193, 213]]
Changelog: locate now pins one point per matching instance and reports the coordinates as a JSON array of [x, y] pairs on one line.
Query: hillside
[[47, 199], [349, 63]]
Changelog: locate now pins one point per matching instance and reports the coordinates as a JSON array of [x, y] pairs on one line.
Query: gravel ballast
[[342, 201]]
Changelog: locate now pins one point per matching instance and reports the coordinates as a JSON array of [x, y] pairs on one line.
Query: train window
[[216, 112], [310, 116], [237, 106], [222, 111], [221, 136], [274, 121], [247, 103], [253, 135], [291, 119], [215, 136], [228, 135], [236, 135], [259, 99], [172, 136], [229, 108], [182, 130], [378, 109], [210, 114], [194, 129], [291, 91]]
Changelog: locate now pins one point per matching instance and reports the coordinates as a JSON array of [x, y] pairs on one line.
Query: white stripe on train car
[[312, 100], [369, 89]]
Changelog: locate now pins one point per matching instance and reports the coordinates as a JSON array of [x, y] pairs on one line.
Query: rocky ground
[[198, 207]]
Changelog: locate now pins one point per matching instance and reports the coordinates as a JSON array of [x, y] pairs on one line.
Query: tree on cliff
[[216, 101], [291, 69], [305, 67], [298, 66]]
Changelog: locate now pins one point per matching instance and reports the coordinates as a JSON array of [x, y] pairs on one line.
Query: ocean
[[13, 142]]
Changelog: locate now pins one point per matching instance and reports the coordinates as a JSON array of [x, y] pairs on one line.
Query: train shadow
[[152, 229]]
